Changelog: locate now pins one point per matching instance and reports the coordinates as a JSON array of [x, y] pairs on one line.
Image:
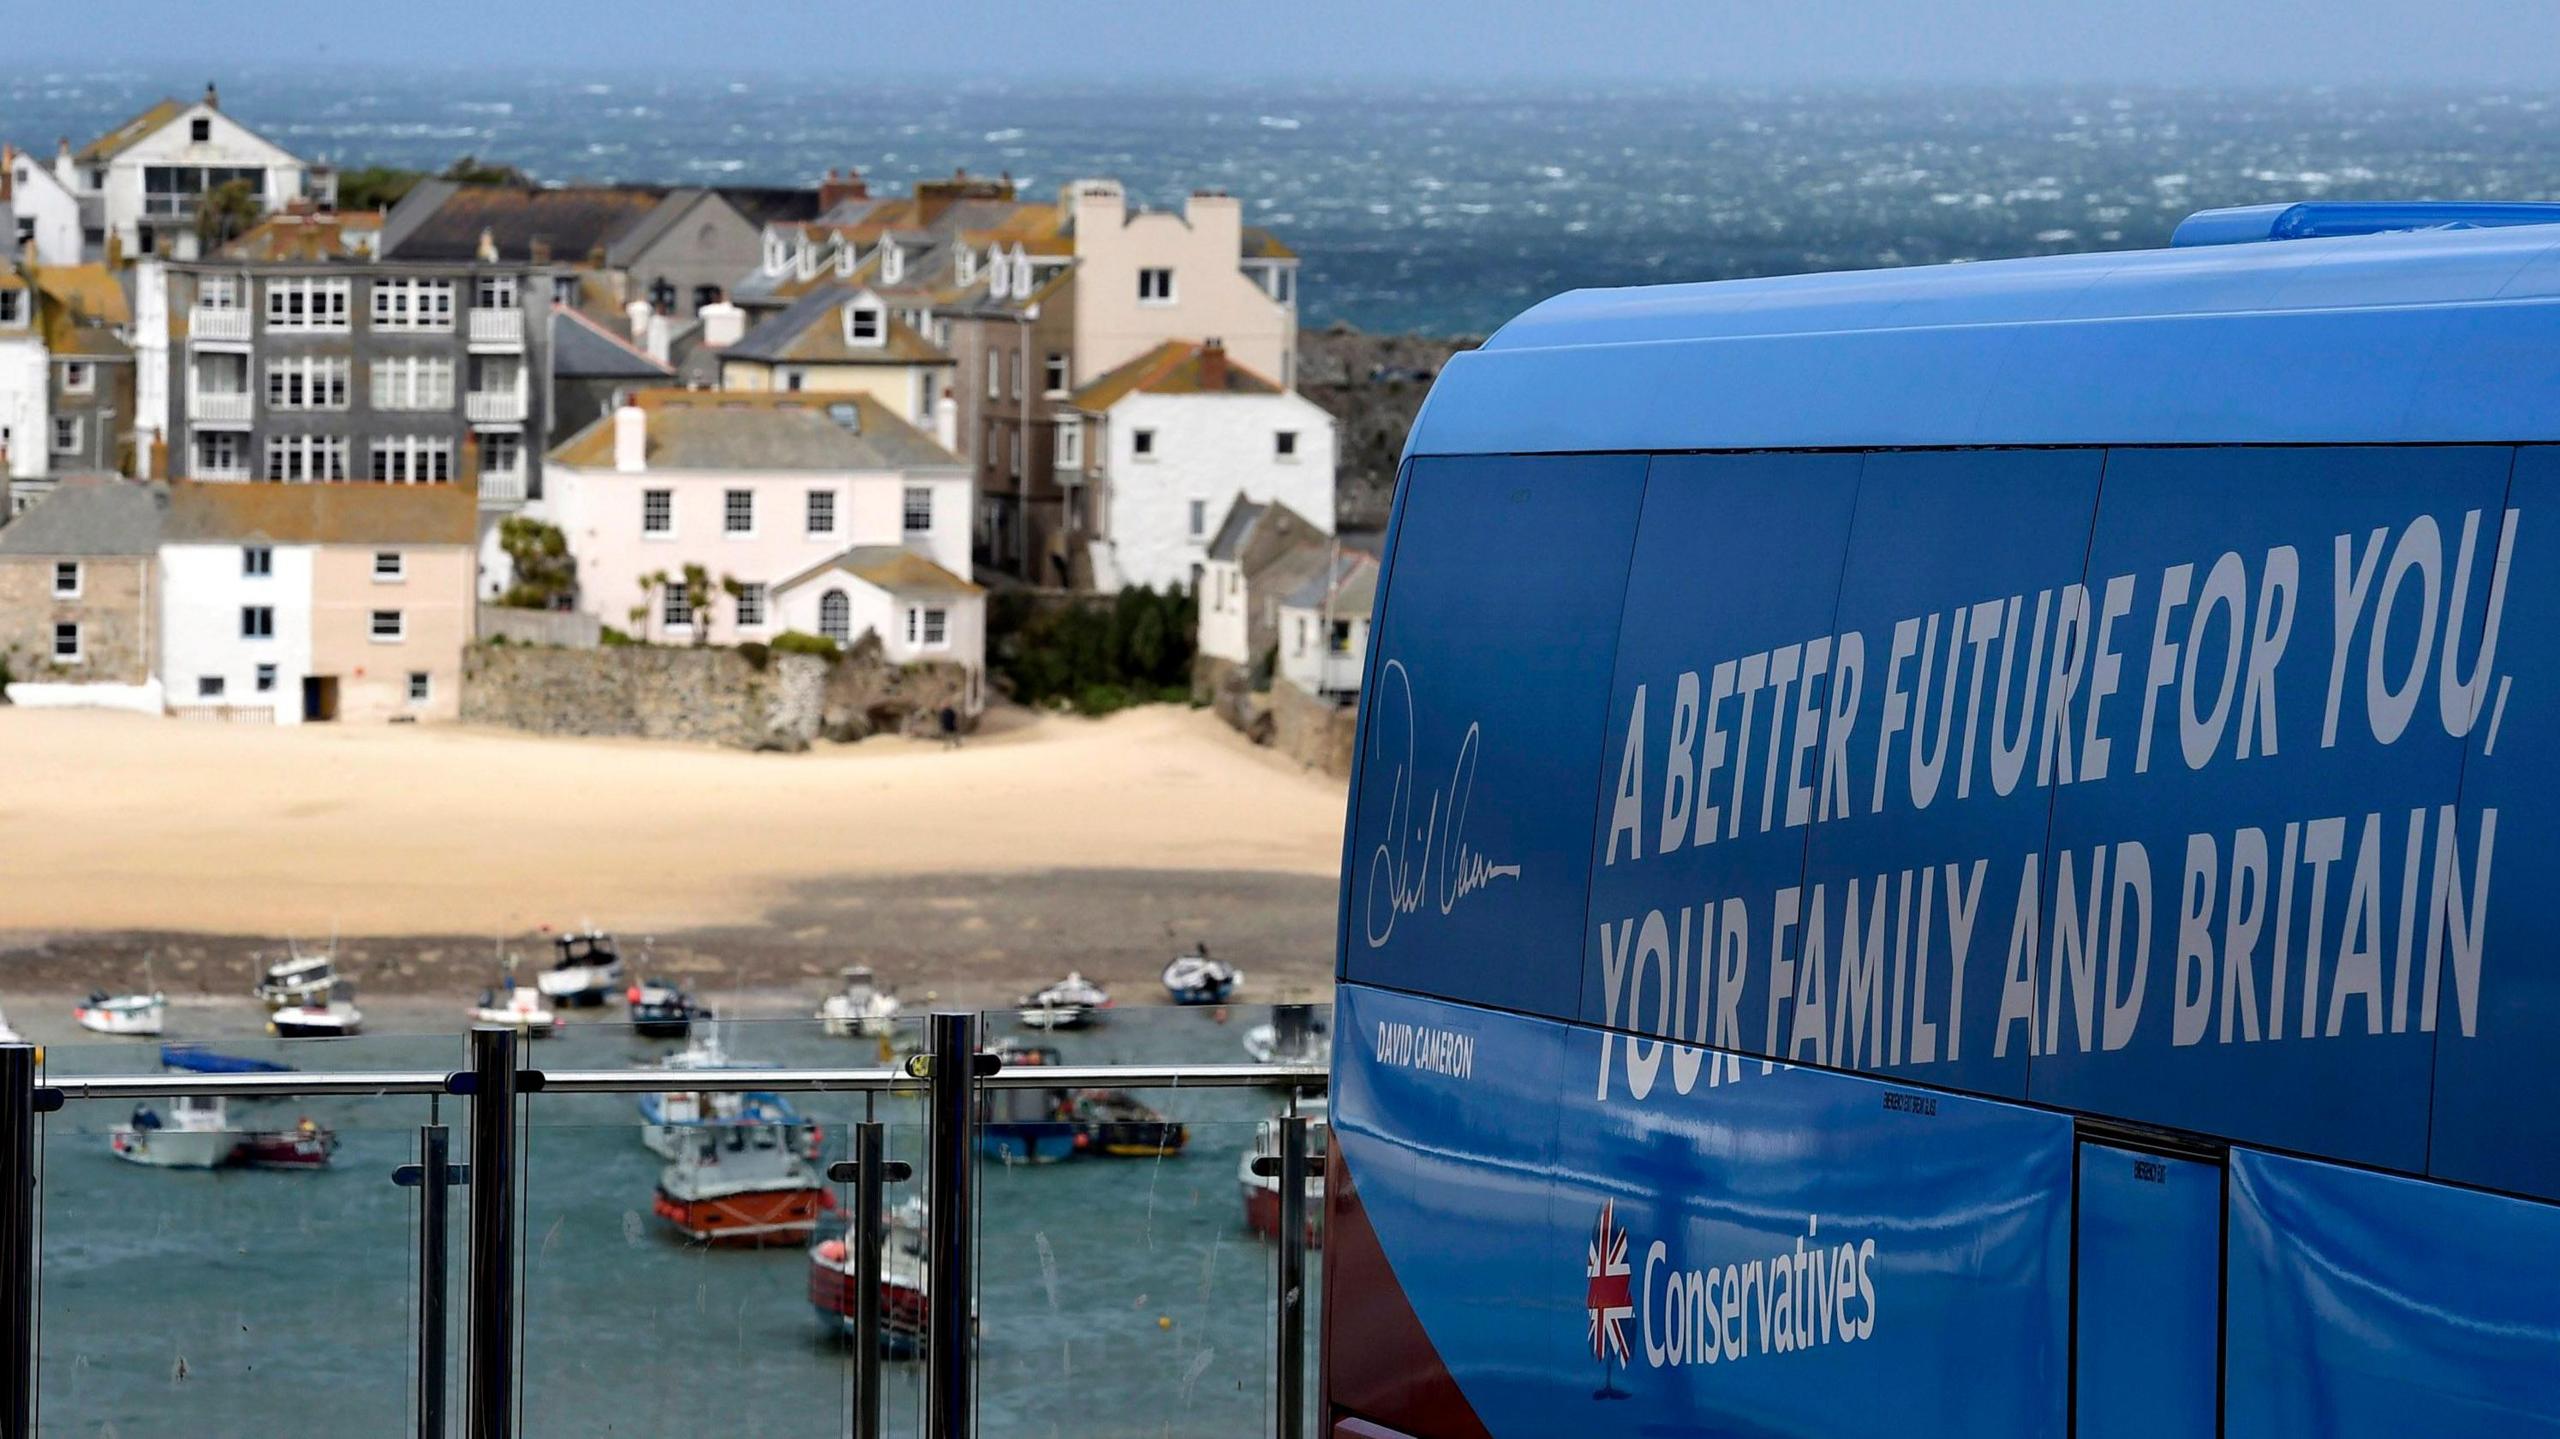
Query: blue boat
[[1027, 1126], [198, 1060]]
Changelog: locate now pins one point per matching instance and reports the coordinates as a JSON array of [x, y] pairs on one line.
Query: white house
[[1170, 439], [235, 625], [26, 427], [1324, 626], [142, 180], [42, 210]]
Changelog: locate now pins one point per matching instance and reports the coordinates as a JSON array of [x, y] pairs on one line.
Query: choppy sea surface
[[1440, 211]]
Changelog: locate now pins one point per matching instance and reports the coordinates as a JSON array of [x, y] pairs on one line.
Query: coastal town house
[[139, 185], [1261, 552], [79, 602], [26, 391], [835, 340], [40, 210], [83, 317], [1159, 447], [1324, 626], [296, 603], [830, 515]]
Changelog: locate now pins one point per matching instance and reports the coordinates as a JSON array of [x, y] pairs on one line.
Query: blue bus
[[1944, 852]]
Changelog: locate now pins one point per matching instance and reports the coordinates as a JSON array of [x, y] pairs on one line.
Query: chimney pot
[[723, 325], [630, 440], [1213, 365], [212, 96]]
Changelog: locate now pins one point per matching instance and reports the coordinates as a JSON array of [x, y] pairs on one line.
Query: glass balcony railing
[[604, 1233]]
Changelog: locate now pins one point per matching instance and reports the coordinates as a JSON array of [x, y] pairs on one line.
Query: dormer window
[[964, 265], [999, 275], [1021, 273], [777, 253], [865, 324], [893, 262], [848, 256]]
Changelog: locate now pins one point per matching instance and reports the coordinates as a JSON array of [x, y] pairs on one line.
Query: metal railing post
[[869, 1156], [18, 1109], [489, 1316], [435, 1172], [1290, 1380], [951, 1230]]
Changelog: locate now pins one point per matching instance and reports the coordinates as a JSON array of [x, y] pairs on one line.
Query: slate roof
[[898, 570], [744, 432], [574, 220], [1172, 368], [1350, 582], [581, 349], [1242, 516], [202, 512], [90, 517], [810, 330]]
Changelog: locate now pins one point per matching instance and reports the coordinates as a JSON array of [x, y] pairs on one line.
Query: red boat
[[305, 1146], [1262, 1194], [740, 1183], [904, 1310]]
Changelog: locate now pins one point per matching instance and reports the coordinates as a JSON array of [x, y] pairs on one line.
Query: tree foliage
[[546, 573], [227, 211], [1094, 657]]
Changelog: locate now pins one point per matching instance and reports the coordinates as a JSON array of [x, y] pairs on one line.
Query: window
[[918, 511], [737, 512], [257, 622], [257, 560], [835, 617], [390, 566], [412, 459], [928, 627], [266, 679], [501, 453], [209, 687], [1071, 444], [679, 606], [307, 382], [79, 377], [995, 373], [1142, 443], [1053, 374], [658, 513], [864, 325], [421, 686], [307, 303], [200, 129], [705, 295], [493, 292], [564, 290], [792, 380], [1155, 286], [822, 512], [221, 454], [66, 579], [662, 296], [1339, 642], [750, 606], [13, 307], [306, 457], [413, 382], [412, 304], [218, 292], [389, 627], [66, 644], [66, 434], [1284, 444], [1199, 518]]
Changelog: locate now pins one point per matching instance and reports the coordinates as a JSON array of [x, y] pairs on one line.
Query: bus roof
[[2435, 335]]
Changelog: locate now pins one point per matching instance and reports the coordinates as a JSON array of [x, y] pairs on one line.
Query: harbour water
[[1117, 1297]]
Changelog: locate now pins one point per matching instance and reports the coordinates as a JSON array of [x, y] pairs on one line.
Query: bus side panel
[[1479, 770], [2249, 878], [1722, 656], [2368, 1305], [1783, 1253], [2498, 1037]]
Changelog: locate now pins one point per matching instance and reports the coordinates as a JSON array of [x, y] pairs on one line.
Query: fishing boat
[[1074, 1002], [1294, 1035], [8, 1035], [517, 1008], [297, 976], [1262, 1192], [1195, 978], [659, 1010], [904, 1308], [324, 1014], [195, 1134], [741, 1183], [586, 969], [1113, 1124], [122, 1013], [196, 1059], [305, 1146], [1027, 1126], [862, 1009]]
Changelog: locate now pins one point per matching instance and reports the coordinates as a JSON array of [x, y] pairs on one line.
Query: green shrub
[[1130, 648], [614, 639], [546, 576], [801, 642], [1099, 700], [756, 654]]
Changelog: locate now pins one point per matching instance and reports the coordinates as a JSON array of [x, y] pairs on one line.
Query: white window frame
[[233, 466], [1155, 285], [922, 623], [77, 572], [664, 502], [841, 631], [308, 302], [1055, 373], [68, 432], [264, 680], [79, 643], [820, 506], [675, 600], [750, 605], [511, 459], [210, 687], [730, 514], [79, 377], [413, 303], [257, 622], [916, 499], [410, 460], [1070, 445], [422, 687], [866, 325], [413, 382], [307, 384], [396, 572], [319, 459], [995, 373], [219, 290], [257, 562], [1199, 519], [496, 292], [397, 632]]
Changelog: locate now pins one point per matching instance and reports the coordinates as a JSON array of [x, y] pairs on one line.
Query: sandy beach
[[1043, 842]]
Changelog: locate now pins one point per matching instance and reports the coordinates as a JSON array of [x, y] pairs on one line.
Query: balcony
[[217, 407], [496, 329], [489, 1245], [494, 407], [230, 327], [502, 489]]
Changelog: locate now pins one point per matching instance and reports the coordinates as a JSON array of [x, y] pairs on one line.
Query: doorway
[[319, 697]]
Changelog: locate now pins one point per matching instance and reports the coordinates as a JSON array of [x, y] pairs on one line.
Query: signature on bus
[[1400, 869]]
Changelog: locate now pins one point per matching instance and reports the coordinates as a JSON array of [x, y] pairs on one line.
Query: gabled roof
[[212, 512], [581, 349], [894, 568], [1261, 244], [338, 235], [90, 290], [1242, 516], [129, 134], [90, 517], [575, 221], [734, 432], [810, 330], [1351, 576], [661, 218], [1172, 368]]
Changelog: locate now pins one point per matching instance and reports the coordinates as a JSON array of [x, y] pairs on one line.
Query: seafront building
[[80, 597], [140, 185]]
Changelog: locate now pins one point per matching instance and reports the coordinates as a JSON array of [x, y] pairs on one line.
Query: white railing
[[497, 327], [502, 487], [219, 408], [204, 324], [493, 407]]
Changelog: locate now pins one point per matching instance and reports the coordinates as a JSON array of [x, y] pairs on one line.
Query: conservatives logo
[[1611, 1295]]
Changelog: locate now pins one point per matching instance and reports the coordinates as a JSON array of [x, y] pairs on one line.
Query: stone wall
[[705, 694], [1313, 731], [113, 610], [566, 628]]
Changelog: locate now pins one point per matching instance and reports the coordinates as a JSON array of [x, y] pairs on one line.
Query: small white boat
[[8, 1035], [1293, 1036], [298, 976], [586, 969], [1262, 1192], [122, 1013], [1074, 1002], [862, 1008], [320, 1016], [516, 1008], [741, 1182], [1195, 978], [195, 1134]]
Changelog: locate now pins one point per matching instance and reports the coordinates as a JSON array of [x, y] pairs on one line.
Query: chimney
[[1217, 219], [723, 325], [212, 97], [158, 465], [946, 421], [661, 340], [630, 440], [1213, 365], [636, 314], [538, 249], [488, 248], [63, 169], [838, 188]]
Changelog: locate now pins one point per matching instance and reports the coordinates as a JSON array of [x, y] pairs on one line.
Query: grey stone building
[[77, 585], [359, 369]]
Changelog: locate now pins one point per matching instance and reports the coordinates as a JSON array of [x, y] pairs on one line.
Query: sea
[[1426, 209], [1116, 1297]]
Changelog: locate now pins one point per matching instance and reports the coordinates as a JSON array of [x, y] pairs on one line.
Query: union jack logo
[[1610, 1299]]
